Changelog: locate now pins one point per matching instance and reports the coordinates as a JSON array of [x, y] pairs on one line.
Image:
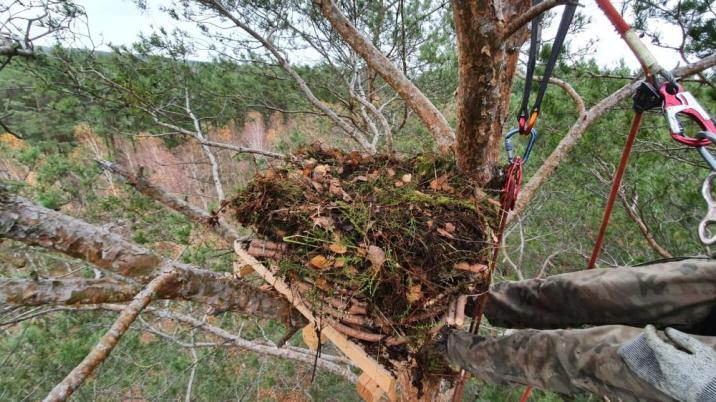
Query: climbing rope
[[510, 192]]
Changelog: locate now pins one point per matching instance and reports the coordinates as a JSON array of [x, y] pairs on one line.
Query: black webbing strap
[[567, 16], [531, 61]]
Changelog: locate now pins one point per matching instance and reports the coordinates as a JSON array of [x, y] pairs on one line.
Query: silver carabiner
[[711, 214]]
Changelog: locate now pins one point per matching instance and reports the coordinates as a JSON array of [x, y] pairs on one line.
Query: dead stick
[[104, 347], [352, 306]]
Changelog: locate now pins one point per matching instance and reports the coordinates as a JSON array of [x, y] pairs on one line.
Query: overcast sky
[[119, 22]]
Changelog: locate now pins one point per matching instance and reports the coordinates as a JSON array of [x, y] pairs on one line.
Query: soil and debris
[[376, 244]]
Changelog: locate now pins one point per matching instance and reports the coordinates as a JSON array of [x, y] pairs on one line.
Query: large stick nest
[[379, 246]]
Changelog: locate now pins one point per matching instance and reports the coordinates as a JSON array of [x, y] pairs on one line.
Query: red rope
[[526, 394], [507, 202], [616, 184]]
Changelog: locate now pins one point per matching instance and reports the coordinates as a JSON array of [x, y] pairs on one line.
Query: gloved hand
[[688, 376]]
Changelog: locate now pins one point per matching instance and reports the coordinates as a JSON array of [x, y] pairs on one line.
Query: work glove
[[686, 371]]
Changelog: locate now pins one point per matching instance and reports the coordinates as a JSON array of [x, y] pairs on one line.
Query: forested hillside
[[85, 131]]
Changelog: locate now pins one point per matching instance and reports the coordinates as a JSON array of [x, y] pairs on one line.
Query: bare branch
[[633, 213], [199, 135], [433, 119], [353, 132], [523, 19], [569, 89], [631, 208], [245, 150], [221, 227], [104, 347], [333, 364]]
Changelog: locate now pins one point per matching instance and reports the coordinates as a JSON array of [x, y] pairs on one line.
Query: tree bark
[[28, 292], [22, 220], [486, 64]]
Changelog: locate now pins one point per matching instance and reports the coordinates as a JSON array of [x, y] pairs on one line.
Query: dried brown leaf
[[445, 233], [323, 284], [338, 248], [414, 294], [441, 184], [319, 262]]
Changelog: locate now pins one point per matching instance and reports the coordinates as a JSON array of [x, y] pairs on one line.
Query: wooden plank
[[368, 389], [310, 337], [354, 352]]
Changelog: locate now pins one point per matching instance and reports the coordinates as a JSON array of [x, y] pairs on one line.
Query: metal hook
[[711, 214], [683, 103], [708, 157], [509, 147]]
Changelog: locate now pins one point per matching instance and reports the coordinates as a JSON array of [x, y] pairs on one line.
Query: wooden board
[[354, 352], [368, 389], [310, 337]]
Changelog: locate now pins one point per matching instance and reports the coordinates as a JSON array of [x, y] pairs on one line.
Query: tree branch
[[221, 227], [109, 341], [569, 89], [334, 364], [352, 132], [584, 121], [11, 51], [434, 121], [199, 135], [241, 149], [28, 292], [24, 221], [523, 19], [631, 210]]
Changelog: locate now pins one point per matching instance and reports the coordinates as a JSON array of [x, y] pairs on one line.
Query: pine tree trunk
[[487, 63]]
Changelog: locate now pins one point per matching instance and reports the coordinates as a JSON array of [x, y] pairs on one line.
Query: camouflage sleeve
[[681, 294], [564, 361]]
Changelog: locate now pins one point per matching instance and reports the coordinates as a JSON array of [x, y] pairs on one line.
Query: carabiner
[[710, 217], [509, 147], [708, 157], [682, 102]]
